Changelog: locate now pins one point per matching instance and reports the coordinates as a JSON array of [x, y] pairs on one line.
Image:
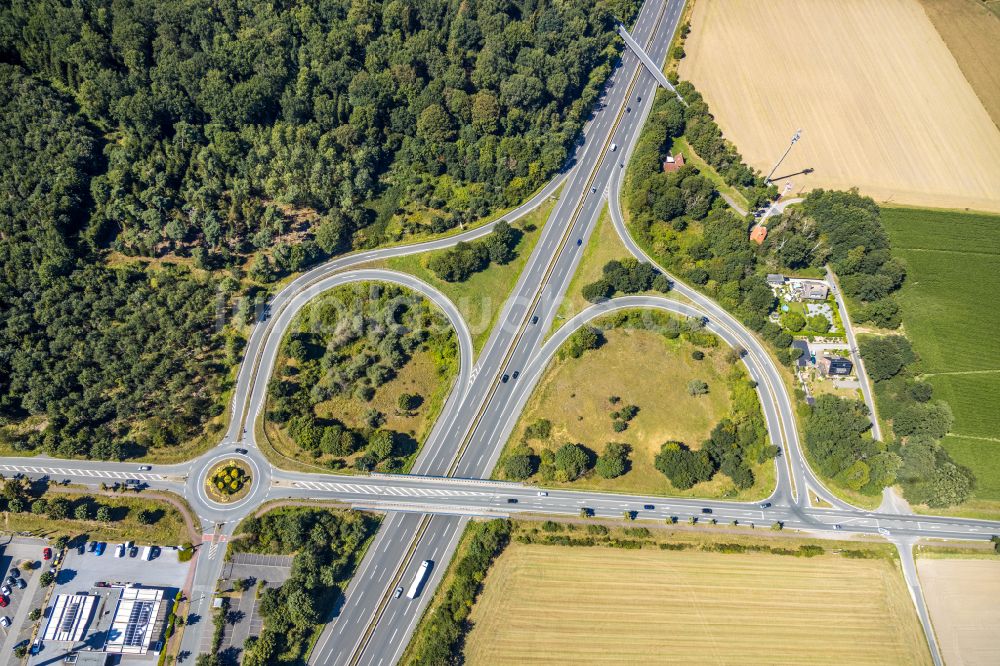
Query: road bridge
[[648, 62]]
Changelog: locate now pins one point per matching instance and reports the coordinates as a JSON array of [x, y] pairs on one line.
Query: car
[[398, 593], [92, 546], [579, 242], [36, 647], [621, 164], [3, 602], [46, 553], [21, 584], [593, 189], [4, 621], [15, 572], [133, 551], [100, 549], [505, 378], [145, 468], [517, 373], [511, 500], [154, 552], [628, 109], [648, 507], [614, 147], [638, 98], [838, 527], [131, 482], [5, 590], [765, 505], [542, 493], [706, 511], [242, 452], [81, 549], [534, 320], [120, 550]]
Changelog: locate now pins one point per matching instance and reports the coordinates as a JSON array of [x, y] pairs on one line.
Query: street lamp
[[796, 137]]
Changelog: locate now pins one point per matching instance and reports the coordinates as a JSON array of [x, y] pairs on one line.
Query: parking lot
[[80, 572], [243, 620], [20, 602]]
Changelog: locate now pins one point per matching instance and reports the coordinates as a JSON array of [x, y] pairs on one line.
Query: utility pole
[[796, 137]]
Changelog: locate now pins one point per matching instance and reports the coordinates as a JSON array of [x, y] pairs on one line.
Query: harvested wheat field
[[563, 605], [961, 598], [881, 101]]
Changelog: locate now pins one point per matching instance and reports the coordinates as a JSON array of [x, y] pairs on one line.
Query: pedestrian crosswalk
[[398, 491], [71, 472]]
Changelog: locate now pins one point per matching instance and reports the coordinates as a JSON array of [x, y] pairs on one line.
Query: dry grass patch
[[961, 598], [882, 102], [647, 370], [553, 604]]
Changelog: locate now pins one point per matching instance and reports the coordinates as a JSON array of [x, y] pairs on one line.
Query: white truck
[[418, 580]]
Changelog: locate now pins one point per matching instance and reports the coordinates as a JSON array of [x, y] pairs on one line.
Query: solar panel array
[[138, 620]]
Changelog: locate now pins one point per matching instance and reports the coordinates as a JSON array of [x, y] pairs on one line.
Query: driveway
[[21, 601]]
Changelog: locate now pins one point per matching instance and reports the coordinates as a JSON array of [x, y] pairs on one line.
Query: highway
[[426, 511]]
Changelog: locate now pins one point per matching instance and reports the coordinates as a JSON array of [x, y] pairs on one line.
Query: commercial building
[[69, 618], [136, 617]]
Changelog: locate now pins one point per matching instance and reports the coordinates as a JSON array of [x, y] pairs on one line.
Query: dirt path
[[194, 534]]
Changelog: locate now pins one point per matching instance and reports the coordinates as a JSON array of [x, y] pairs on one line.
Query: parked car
[[5, 590], [100, 548], [133, 551], [15, 572], [3, 602], [92, 546], [120, 550], [10, 580], [21, 584], [81, 549], [4, 621], [46, 553]]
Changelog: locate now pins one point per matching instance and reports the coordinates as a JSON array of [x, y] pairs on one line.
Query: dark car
[[517, 373], [765, 505], [505, 378], [628, 109], [133, 551], [21, 584], [92, 546], [579, 241], [80, 549], [648, 507], [706, 511], [242, 452], [534, 320], [511, 500], [15, 572]]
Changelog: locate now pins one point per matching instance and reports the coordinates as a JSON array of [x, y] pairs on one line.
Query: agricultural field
[[972, 33], [953, 262], [882, 103], [540, 602], [579, 410], [961, 598], [480, 297]]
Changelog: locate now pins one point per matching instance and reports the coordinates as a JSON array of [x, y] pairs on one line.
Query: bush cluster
[[461, 261]]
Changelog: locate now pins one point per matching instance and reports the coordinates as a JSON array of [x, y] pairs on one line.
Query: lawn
[[579, 409], [953, 261], [168, 529], [481, 297], [556, 604]]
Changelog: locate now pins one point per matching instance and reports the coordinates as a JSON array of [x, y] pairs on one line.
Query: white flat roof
[[69, 618], [132, 629]]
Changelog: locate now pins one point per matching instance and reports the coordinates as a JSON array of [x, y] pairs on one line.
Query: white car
[[4, 621], [542, 493], [614, 147], [5, 590]]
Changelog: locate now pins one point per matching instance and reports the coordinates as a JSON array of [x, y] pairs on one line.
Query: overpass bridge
[[647, 62]]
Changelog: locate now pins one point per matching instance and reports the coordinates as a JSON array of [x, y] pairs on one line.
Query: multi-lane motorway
[[426, 511]]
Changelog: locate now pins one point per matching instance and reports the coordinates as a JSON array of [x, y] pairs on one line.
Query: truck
[[419, 579], [147, 553]]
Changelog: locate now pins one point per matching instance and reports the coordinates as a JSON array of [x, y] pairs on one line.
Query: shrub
[[572, 461]]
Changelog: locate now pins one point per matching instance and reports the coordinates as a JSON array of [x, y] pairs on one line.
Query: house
[[673, 162], [815, 291], [775, 279], [758, 234], [835, 365], [802, 360]]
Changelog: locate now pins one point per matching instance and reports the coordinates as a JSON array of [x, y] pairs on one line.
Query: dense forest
[[75, 336], [209, 116], [205, 133]]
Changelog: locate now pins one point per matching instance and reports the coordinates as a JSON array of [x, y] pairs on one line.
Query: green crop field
[[949, 314]]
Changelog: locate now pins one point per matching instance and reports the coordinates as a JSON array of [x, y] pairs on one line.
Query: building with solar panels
[[69, 618], [136, 617]]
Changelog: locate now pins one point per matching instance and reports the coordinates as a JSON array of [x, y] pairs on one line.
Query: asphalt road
[[426, 512]]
